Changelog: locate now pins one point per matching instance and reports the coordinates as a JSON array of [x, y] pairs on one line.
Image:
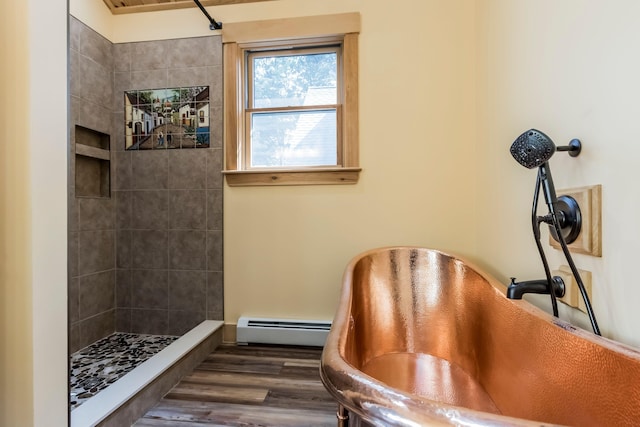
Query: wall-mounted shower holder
[[589, 239]]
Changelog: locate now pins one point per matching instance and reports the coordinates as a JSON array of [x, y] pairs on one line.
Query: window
[[291, 107]]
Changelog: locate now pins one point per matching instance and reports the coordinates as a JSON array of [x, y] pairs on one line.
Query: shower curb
[[126, 400]]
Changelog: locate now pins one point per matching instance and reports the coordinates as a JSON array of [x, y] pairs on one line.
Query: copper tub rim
[[411, 408]]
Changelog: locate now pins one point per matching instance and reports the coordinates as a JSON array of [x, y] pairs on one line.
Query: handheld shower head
[[532, 148]]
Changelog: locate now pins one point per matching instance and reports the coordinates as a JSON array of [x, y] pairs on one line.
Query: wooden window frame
[[240, 38]]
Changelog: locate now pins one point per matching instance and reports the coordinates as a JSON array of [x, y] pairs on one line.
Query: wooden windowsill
[[310, 176]]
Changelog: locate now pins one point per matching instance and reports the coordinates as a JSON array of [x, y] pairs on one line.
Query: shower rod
[[214, 25]]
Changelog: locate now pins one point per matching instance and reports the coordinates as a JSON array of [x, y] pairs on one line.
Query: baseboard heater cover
[[282, 331]]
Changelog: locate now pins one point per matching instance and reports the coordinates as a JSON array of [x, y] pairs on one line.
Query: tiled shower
[[145, 226]]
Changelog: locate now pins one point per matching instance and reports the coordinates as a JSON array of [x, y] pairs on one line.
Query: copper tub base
[[425, 338]]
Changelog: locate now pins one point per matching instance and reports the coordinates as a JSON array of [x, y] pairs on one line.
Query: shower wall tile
[[123, 209], [152, 55], [75, 85], [96, 293], [149, 169], [96, 83], [74, 300], [96, 251], [187, 290], [187, 169], [123, 249], [214, 168], [123, 319], [123, 288], [214, 250], [215, 295], [150, 209], [146, 321], [187, 249], [150, 79], [74, 338], [215, 90], [96, 47], [92, 237], [74, 114], [96, 214], [189, 51], [187, 209], [73, 254], [149, 289], [214, 209], [181, 322], [149, 249], [216, 127], [162, 202], [121, 84], [75, 28], [191, 76], [96, 327], [122, 57], [123, 170], [94, 116]]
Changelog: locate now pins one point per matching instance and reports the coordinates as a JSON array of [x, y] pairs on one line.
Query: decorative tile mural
[[158, 119]]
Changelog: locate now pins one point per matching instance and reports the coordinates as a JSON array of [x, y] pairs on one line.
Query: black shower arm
[[213, 24]]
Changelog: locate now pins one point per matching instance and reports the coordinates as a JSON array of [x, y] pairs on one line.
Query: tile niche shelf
[[93, 163]]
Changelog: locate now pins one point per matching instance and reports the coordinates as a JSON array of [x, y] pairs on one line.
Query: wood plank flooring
[[249, 386]]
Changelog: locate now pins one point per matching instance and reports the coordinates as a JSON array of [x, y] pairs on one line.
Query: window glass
[[294, 79], [302, 138]]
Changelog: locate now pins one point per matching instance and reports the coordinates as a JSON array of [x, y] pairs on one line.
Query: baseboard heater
[[282, 331]]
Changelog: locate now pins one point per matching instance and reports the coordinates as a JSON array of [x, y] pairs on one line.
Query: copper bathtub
[[425, 338]]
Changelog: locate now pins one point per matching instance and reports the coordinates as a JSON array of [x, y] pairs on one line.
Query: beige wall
[[286, 248], [569, 68], [33, 129], [445, 88]]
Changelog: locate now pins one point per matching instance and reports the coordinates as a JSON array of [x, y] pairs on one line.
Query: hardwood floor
[[249, 386]]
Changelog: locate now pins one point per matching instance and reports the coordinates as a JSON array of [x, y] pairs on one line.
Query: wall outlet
[[589, 240], [572, 295]]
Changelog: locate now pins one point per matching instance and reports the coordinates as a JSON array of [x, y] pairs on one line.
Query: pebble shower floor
[[102, 363]]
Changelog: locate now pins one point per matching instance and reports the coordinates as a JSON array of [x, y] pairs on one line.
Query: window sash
[[308, 48], [248, 137]]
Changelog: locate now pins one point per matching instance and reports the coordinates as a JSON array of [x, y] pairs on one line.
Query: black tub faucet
[[517, 289]]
